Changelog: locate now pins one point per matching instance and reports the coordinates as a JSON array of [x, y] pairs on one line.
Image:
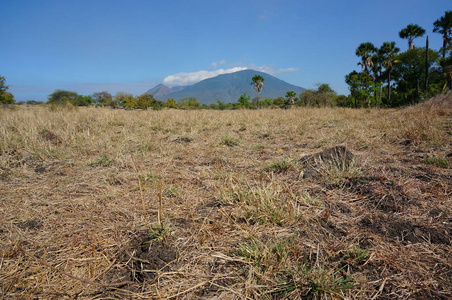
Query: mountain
[[227, 88], [159, 91]]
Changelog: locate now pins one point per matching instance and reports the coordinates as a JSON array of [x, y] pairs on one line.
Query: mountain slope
[[159, 91], [229, 87]]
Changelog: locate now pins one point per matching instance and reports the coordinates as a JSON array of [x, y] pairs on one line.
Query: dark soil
[[142, 260]]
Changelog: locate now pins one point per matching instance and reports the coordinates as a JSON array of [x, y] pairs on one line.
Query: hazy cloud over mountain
[[184, 79], [194, 77]]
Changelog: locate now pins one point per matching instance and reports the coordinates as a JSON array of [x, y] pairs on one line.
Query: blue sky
[[133, 45]]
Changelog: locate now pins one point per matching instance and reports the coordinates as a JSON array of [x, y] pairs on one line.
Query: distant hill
[[227, 88], [159, 91]]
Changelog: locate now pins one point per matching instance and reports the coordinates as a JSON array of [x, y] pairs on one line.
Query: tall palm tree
[[258, 83], [291, 96], [444, 26], [365, 51], [411, 32], [389, 51]]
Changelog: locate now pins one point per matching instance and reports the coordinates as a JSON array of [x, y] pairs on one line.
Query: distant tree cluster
[[104, 99], [322, 96], [392, 78]]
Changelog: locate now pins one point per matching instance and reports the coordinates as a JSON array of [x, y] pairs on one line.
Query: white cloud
[[272, 71], [215, 64], [183, 79], [194, 77]]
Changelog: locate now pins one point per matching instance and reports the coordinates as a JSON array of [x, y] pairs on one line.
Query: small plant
[[442, 162], [278, 166], [171, 192], [311, 201], [102, 161], [264, 255], [264, 205], [159, 232], [321, 283], [358, 254], [4, 172], [146, 146], [338, 175], [228, 141], [149, 177]]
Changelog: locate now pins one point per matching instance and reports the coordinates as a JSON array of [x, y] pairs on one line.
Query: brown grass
[[112, 204]]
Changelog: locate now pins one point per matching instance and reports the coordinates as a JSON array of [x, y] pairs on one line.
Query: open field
[[172, 204]]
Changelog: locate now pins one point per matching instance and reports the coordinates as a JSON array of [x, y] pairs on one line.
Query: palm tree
[[258, 82], [411, 32], [444, 26], [389, 51], [365, 51], [291, 95]]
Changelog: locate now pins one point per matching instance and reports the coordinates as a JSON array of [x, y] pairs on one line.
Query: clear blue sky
[[132, 45]]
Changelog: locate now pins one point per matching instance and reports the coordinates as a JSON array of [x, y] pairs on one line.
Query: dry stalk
[[143, 202]]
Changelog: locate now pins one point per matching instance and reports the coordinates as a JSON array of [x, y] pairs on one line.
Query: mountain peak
[[226, 87], [159, 91]]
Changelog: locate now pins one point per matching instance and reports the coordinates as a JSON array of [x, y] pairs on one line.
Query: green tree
[[145, 101], [308, 98], [83, 100], [446, 65], [244, 100], [290, 96], [171, 103], [443, 26], [388, 52], [267, 102], [128, 101], [366, 52], [34, 102], [279, 101], [102, 98], [190, 103], [63, 97], [361, 87], [326, 94], [222, 105], [410, 72], [411, 32], [5, 96], [258, 82]]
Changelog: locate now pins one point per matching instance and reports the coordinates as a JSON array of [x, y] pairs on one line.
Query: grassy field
[[172, 204]]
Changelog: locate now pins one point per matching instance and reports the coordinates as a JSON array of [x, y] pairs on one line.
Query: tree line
[[392, 78], [322, 96]]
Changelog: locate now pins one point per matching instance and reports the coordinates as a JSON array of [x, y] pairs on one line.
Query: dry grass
[[112, 204]]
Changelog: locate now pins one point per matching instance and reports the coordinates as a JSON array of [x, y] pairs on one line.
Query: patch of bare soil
[[142, 260], [51, 137]]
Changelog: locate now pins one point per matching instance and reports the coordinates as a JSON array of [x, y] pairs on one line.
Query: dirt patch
[[142, 260], [398, 229], [51, 137], [183, 140], [383, 194], [30, 225]]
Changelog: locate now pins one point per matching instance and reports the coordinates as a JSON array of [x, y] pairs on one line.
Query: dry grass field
[[173, 204]]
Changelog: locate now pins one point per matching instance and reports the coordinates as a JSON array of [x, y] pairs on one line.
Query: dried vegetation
[[114, 204]]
